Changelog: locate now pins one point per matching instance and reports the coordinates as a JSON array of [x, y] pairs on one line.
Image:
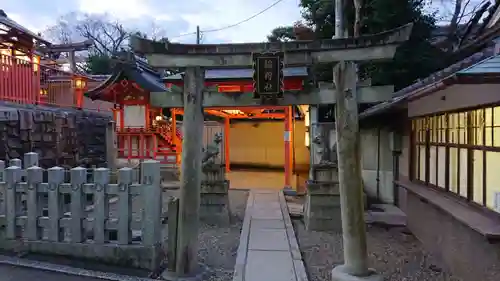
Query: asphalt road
[[18, 273]]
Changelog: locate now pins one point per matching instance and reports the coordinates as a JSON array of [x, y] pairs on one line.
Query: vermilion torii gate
[[194, 97]]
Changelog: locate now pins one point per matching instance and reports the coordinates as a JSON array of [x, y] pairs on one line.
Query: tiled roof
[[134, 68], [487, 66], [421, 86], [491, 65]]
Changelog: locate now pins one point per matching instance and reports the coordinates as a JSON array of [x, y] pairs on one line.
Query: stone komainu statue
[[212, 151]]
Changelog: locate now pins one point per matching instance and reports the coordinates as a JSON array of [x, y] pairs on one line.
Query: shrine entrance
[[333, 181], [259, 139], [146, 130]]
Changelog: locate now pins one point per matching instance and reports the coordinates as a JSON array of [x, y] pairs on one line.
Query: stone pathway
[[268, 248]]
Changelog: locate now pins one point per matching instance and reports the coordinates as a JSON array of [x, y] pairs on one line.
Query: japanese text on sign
[[268, 73]]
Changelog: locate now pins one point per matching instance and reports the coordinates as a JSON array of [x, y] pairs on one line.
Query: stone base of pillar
[[214, 202], [199, 275], [169, 174], [322, 207], [339, 274]]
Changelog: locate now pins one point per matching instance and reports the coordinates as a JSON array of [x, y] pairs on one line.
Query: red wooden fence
[[28, 82]]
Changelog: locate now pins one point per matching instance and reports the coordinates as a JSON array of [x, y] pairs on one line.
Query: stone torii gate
[[268, 60]]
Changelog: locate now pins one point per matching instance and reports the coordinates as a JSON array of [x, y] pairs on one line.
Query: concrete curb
[[298, 264], [241, 255], [63, 269]]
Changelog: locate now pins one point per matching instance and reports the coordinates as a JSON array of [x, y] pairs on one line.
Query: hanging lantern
[[36, 63], [80, 83]]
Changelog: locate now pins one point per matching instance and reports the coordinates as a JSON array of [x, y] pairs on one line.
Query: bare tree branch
[[460, 14]]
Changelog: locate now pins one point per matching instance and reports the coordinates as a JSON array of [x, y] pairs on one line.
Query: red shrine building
[[148, 132]]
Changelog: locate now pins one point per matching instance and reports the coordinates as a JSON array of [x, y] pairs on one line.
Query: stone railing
[[120, 234]]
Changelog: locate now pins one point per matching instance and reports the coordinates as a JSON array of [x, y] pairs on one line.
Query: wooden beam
[[249, 108], [217, 113], [380, 46], [324, 95], [240, 116], [227, 151], [260, 116]]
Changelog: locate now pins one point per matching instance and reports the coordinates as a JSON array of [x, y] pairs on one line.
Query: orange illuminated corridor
[[256, 174]]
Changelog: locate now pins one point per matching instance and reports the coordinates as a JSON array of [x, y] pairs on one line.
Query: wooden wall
[[261, 144]]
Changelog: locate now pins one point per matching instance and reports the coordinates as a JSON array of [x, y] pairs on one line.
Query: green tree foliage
[[282, 33], [98, 64], [415, 59]]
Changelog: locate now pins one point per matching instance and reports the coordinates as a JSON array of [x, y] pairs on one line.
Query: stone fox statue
[[212, 151]]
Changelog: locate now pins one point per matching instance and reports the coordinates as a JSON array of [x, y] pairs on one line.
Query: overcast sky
[[175, 17]]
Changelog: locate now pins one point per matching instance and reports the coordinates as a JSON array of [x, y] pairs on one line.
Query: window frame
[[471, 129]]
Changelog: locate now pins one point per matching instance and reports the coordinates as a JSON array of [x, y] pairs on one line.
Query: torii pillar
[[366, 48]]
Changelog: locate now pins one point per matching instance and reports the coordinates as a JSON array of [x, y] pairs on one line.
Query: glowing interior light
[[234, 112], [229, 88]]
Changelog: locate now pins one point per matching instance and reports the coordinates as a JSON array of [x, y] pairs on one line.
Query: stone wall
[[61, 137]]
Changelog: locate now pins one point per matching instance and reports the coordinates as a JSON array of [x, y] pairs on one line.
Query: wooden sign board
[[268, 75], [326, 113]]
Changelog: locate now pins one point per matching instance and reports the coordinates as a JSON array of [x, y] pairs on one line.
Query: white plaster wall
[[369, 158], [134, 116]]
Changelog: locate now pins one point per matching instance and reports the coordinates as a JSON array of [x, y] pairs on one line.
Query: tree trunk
[[357, 19], [453, 27]]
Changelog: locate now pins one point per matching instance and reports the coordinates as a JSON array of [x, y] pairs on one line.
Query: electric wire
[[231, 25]]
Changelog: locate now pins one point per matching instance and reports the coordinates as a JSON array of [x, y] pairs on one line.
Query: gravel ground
[[394, 254], [218, 245]]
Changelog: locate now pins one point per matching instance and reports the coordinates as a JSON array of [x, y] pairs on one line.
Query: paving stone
[[268, 239], [269, 266], [268, 223], [267, 205], [268, 252], [265, 213]]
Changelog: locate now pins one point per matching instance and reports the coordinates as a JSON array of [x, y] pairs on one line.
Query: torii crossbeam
[[381, 46]]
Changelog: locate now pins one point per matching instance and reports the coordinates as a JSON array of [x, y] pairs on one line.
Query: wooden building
[[439, 141]]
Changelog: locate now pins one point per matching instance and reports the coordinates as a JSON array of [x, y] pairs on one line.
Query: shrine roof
[[10, 23], [239, 73], [130, 67]]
